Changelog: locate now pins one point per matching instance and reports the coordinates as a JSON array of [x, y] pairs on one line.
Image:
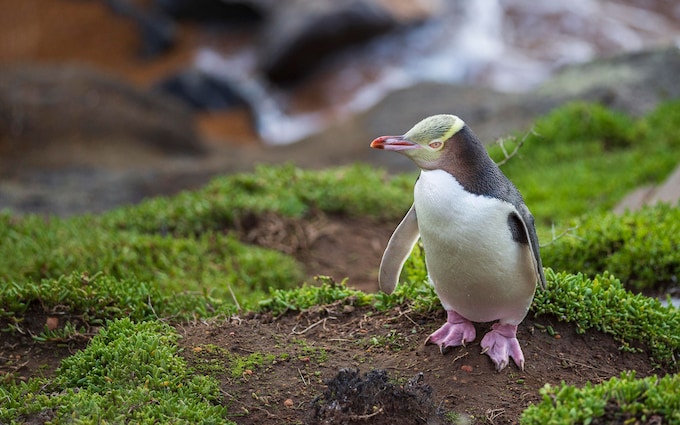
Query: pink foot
[[500, 343], [456, 331]]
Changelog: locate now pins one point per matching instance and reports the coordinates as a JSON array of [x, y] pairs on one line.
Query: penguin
[[481, 248]]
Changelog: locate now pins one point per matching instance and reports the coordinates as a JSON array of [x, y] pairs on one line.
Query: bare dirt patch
[[22, 357], [308, 380], [329, 245]]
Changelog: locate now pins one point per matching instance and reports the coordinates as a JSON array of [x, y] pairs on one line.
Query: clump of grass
[[37, 253], [284, 190], [94, 299], [306, 296], [219, 360], [603, 303], [129, 372], [619, 400], [584, 157], [641, 248]]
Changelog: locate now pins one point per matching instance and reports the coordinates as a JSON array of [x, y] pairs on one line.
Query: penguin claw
[[502, 365], [455, 332], [501, 344]]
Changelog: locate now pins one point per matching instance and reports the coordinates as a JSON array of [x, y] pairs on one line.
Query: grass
[[37, 254], [356, 190], [130, 372], [583, 158], [623, 399], [176, 258], [642, 248], [604, 304]]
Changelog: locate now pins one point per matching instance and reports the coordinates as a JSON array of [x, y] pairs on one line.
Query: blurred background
[[106, 102]]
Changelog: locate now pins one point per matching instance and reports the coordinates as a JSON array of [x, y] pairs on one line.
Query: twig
[[364, 417], [460, 356], [568, 361], [302, 377], [233, 297], [294, 332], [492, 414], [148, 301], [561, 235], [508, 156], [403, 313]]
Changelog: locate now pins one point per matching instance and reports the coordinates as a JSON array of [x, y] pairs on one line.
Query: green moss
[[307, 296], [641, 248], [241, 364], [583, 158], [603, 303], [93, 299], [618, 400], [284, 190], [130, 372], [309, 352], [211, 265]]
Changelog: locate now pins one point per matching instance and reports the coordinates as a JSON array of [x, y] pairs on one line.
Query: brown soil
[[345, 364], [340, 247], [314, 346]]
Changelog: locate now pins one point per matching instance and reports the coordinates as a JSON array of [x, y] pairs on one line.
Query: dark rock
[[300, 33], [225, 11], [53, 115], [202, 91], [157, 32]]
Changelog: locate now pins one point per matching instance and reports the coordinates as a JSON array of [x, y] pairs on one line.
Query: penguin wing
[[398, 249], [529, 235]]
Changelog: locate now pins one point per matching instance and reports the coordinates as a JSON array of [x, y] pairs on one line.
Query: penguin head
[[427, 142]]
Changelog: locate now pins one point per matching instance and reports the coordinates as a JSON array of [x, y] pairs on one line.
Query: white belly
[[476, 267]]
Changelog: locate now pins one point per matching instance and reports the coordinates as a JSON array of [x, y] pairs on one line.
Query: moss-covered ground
[[171, 311]]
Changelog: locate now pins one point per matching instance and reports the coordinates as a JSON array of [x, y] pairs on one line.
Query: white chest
[[475, 265], [449, 215]]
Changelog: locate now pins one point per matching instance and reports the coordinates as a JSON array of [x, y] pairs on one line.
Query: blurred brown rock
[[56, 115], [299, 34]]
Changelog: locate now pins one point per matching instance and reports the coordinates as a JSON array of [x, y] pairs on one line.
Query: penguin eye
[[436, 144]]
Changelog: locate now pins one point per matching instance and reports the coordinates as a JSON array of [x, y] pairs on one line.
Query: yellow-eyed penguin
[[481, 248]]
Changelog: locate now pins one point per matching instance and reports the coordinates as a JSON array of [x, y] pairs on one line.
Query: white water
[[508, 45]]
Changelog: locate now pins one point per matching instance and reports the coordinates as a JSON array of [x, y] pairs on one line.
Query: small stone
[[288, 403], [466, 368], [52, 323]]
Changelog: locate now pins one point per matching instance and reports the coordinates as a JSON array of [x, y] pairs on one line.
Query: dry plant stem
[[508, 156]]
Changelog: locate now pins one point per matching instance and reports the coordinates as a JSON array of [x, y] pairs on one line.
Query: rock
[[667, 192], [232, 11], [634, 83], [202, 91], [157, 32], [57, 115], [300, 33]]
